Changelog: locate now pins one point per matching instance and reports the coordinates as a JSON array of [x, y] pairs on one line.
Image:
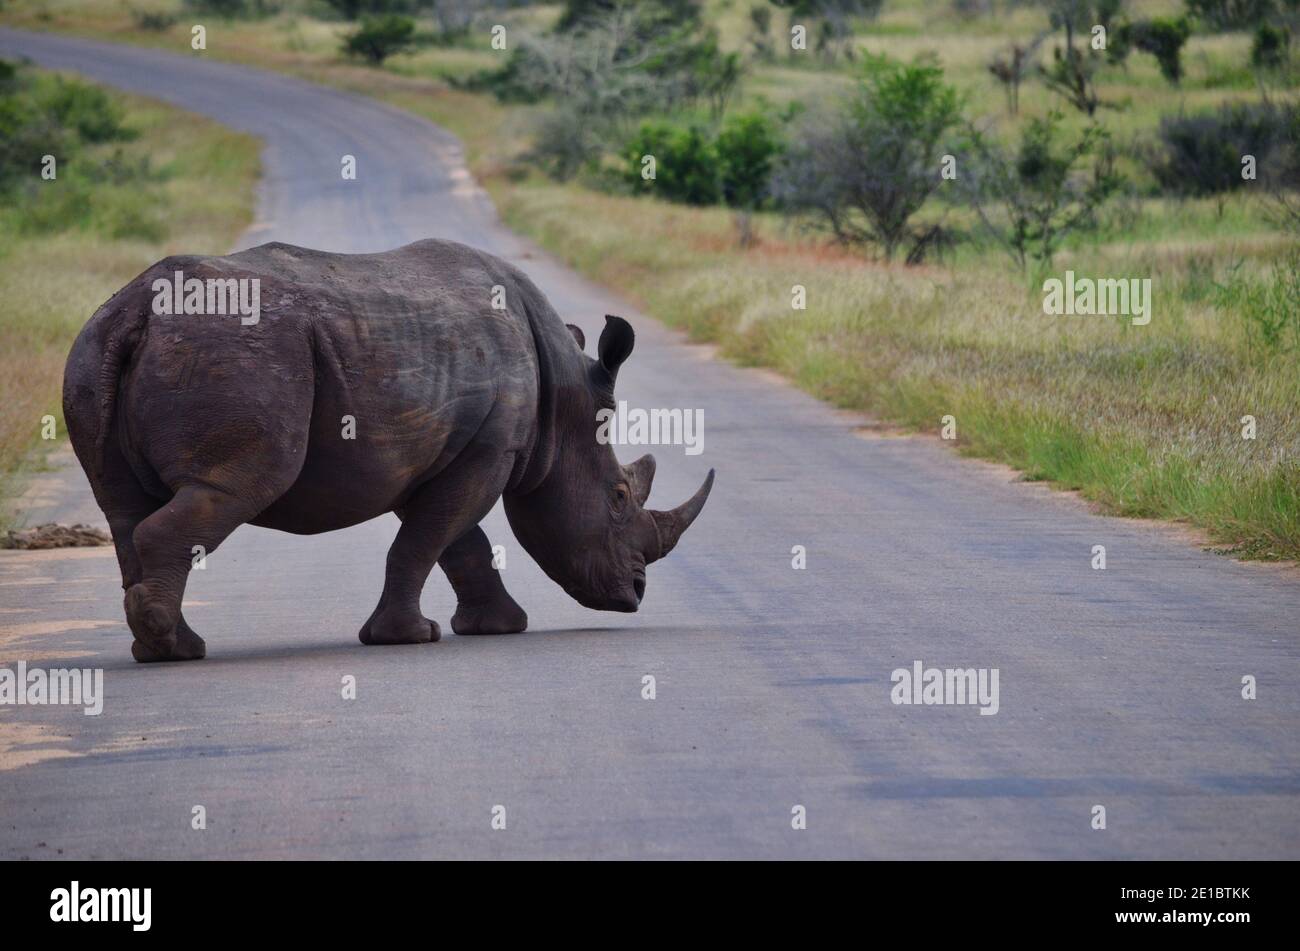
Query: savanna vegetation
[[94, 187], [920, 167]]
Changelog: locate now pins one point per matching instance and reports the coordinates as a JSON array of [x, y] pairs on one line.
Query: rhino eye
[[620, 495]]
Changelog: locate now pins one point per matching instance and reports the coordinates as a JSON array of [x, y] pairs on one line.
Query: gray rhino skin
[[188, 426]]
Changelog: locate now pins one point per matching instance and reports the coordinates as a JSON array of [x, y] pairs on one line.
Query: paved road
[[1119, 687]]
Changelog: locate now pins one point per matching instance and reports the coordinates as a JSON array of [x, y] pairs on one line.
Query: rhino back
[[368, 372]]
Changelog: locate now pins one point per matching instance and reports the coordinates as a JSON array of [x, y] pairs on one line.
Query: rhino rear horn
[[672, 525], [640, 476]]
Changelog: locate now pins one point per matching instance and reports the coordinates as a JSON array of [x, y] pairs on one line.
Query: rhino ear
[[578, 335], [615, 346]]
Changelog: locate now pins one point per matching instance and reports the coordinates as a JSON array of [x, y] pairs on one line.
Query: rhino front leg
[[432, 519], [483, 604]]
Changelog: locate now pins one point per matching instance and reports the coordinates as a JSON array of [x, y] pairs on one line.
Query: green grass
[[1145, 421], [68, 245]]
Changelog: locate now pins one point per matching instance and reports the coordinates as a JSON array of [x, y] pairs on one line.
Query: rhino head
[[586, 523]]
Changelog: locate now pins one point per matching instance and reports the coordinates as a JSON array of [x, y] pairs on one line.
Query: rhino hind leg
[[483, 606], [126, 504], [164, 545], [189, 646]]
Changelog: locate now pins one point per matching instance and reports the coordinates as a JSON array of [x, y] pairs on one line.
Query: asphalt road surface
[[1119, 687]]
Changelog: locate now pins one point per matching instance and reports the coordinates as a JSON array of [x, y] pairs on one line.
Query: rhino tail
[[93, 374]]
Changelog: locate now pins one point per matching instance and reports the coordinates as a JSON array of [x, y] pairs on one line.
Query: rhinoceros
[[429, 381]]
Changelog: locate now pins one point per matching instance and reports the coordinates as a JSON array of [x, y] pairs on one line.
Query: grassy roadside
[[1146, 421], [180, 183]]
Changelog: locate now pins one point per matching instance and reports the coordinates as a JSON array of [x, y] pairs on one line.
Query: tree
[[1011, 68], [1270, 47], [580, 14], [1073, 70], [866, 169], [760, 22], [746, 147], [833, 31], [1232, 14], [686, 165], [1031, 199], [1201, 155], [378, 38], [1163, 38]]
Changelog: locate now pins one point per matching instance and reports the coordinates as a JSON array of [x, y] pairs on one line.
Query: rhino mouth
[[626, 601], [638, 584]]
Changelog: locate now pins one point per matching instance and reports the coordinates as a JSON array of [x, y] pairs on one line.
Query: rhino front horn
[[673, 524]]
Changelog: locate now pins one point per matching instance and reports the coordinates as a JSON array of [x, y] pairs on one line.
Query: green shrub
[[610, 67], [86, 110], [685, 163], [566, 142], [1269, 307], [746, 147], [49, 115], [154, 21], [649, 14], [351, 9], [71, 120], [1232, 14], [378, 38], [232, 9], [865, 169], [1031, 199], [1163, 38], [1201, 155], [222, 8], [1270, 47]]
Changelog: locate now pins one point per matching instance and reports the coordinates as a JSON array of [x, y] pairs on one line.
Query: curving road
[[1119, 688]]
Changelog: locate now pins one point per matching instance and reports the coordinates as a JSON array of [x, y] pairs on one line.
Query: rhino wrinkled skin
[[190, 425]]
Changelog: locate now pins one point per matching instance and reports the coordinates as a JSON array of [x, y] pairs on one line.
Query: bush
[[690, 69], [50, 115], [1030, 200], [86, 110], [224, 8], [1232, 14], [685, 163], [1269, 308], [1072, 72], [746, 147], [566, 142], [378, 38], [865, 170], [1270, 47], [1163, 38], [155, 21], [578, 14], [624, 63], [1280, 172], [1202, 155], [351, 9]]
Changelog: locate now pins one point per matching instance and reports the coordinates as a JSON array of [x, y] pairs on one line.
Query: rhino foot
[[150, 617], [501, 617], [185, 646], [385, 628]]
